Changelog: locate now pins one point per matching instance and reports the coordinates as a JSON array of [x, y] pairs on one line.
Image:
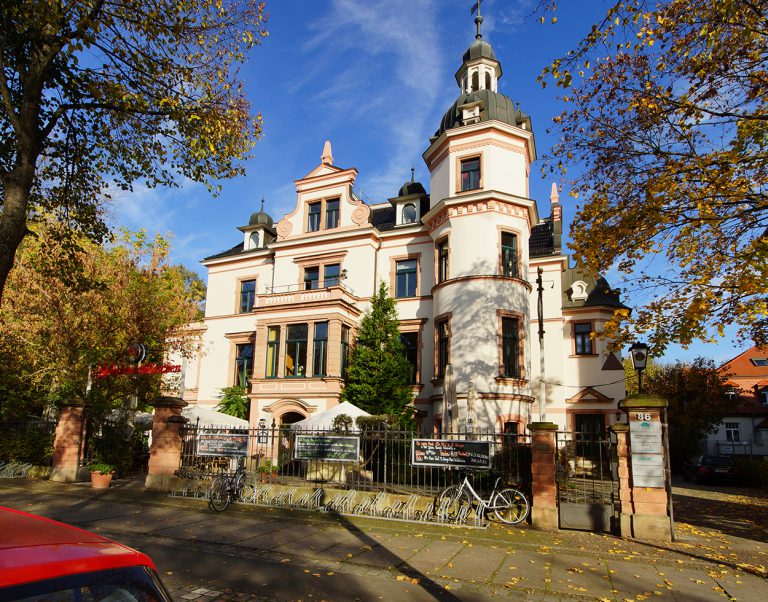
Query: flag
[[475, 7]]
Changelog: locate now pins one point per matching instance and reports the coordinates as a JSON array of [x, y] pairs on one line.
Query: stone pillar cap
[[167, 401], [619, 427], [74, 402], [645, 400], [542, 426]]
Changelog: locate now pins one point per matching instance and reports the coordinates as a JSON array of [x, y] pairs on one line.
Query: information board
[[451, 452], [326, 447], [216, 443]]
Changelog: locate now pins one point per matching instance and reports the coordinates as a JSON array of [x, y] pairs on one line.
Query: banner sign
[[451, 452], [115, 370], [325, 447], [216, 443]]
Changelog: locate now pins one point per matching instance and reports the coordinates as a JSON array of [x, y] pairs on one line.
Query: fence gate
[[587, 486]]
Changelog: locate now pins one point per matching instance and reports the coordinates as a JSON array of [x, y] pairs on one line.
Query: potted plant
[[101, 474], [267, 471]]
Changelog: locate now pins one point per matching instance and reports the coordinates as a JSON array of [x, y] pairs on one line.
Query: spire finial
[[262, 204], [413, 174], [327, 157], [478, 18]]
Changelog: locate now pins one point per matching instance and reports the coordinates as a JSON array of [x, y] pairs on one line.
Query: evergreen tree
[[377, 377]]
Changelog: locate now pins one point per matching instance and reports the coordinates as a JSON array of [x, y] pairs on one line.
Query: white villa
[[462, 259]]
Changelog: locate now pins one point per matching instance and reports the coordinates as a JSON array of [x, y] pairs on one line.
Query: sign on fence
[[325, 447], [216, 443], [451, 452]]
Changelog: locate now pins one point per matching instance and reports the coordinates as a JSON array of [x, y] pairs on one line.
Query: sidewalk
[[255, 553]]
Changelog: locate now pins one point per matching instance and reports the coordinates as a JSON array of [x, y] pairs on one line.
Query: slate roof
[[542, 240], [236, 250], [383, 218], [494, 106]]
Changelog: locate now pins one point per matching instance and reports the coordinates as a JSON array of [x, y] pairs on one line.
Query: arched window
[[487, 81], [409, 213], [475, 82], [254, 240]]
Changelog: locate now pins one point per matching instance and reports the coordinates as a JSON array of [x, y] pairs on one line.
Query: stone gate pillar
[[67, 442], [165, 452], [625, 490], [544, 473], [647, 467]]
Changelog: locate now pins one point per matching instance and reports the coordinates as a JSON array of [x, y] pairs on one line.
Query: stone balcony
[[293, 295]]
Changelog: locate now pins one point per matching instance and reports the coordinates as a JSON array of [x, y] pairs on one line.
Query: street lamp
[[639, 354]]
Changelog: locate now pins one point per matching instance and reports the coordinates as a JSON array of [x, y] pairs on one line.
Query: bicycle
[[509, 505], [226, 488]]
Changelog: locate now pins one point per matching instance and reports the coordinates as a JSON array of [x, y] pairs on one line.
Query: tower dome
[[411, 187], [260, 218], [479, 49]]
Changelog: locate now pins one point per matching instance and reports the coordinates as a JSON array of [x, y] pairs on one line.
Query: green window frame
[[442, 261], [410, 341], [296, 350], [443, 347], [273, 351], [509, 255], [320, 350], [346, 349], [510, 347], [243, 364]]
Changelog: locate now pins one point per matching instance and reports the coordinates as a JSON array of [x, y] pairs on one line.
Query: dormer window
[[409, 214]]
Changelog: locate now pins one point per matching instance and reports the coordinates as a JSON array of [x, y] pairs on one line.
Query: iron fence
[[27, 441], [116, 442], [586, 469], [363, 460]]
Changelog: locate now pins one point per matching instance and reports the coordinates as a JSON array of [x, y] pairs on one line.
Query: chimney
[[557, 218]]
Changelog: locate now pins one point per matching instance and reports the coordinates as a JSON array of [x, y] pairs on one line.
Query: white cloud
[[391, 69]]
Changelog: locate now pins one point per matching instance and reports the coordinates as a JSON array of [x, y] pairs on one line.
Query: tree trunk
[[13, 219]]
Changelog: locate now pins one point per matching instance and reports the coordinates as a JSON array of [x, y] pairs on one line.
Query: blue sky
[[374, 78]]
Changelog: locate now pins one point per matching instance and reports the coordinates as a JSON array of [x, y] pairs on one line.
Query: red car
[[41, 559]]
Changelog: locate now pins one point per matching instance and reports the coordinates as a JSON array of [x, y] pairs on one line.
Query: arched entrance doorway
[[291, 417]]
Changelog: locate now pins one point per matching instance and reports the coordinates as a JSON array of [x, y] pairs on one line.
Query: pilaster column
[[647, 467], [165, 452], [543, 469], [67, 442]]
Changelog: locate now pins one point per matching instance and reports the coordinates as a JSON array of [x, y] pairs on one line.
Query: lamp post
[[639, 354]]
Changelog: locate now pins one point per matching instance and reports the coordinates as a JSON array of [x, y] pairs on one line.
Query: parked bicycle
[[509, 505], [227, 488]]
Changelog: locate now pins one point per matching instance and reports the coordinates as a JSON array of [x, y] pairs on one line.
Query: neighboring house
[[745, 431], [462, 260]]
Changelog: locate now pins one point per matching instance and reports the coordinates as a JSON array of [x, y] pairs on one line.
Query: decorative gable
[[589, 395]]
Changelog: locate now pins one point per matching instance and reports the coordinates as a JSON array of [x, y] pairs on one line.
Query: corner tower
[[480, 219]]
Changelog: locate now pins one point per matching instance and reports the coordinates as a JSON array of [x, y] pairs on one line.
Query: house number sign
[[647, 449]]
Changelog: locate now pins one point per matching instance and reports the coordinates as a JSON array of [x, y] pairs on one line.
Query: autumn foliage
[[665, 140], [100, 94], [65, 313]]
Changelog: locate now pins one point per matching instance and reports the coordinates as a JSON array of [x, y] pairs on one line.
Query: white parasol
[[471, 401]]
